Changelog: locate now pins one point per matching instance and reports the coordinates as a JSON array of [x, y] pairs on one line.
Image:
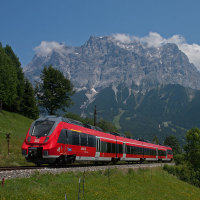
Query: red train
[[62, 140]]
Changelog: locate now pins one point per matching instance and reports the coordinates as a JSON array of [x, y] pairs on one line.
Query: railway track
[[27, 171], [15, 168]]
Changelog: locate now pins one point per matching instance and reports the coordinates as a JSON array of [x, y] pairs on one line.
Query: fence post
[[8, 141], [79, 188], [83, 182]]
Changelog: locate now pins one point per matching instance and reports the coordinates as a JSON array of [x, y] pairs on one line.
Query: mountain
[[143, 89]]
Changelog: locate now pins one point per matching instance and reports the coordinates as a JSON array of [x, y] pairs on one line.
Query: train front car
[[40, 144]]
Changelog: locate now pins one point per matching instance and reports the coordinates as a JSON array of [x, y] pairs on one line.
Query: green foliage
[[128, 134], [179, 159], [192, 147], [149, 185], [8, 81], [103, 124], [29, 102], [184, 173], [156, 140], [55, 90], [12, 84], [172, 141], [79, 118], [107, 126], [20, 78], [17, 125]]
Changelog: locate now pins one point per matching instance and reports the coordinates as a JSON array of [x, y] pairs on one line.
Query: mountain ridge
[[124, 80]]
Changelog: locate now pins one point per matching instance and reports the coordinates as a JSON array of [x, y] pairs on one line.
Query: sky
[[24, 24]]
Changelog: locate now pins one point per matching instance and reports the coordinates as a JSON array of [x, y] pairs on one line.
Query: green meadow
[[142, 184], [17, 125]]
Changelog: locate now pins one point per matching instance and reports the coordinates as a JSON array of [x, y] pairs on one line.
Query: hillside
[[149, 184], [162, 111], [17, 125]]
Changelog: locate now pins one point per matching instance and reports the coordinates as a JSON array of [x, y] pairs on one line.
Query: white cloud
[[156, 40], [46, 48], [122, 38]]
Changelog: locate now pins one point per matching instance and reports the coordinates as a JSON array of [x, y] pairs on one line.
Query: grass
[[148, 184], [17, 125]]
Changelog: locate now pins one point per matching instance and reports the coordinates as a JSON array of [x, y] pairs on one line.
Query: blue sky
[[25, 24]]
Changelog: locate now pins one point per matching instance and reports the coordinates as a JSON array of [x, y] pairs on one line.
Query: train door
[[124, 151], [67, 135], [98, 148], [156, 153]]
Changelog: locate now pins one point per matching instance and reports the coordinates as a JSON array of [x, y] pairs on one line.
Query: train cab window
[[75, 138], [84, 139], [91, 141], [42, 128]]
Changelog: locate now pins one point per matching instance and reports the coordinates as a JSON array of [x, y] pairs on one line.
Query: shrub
[[179, 159]]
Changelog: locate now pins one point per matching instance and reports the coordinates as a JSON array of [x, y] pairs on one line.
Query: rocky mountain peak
[[105, 61]]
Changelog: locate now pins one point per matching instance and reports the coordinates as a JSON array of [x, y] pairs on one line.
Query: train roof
[[119, 136]]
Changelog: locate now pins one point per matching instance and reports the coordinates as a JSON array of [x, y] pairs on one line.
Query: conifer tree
[[8, 81], [20, 78], [29, 106]]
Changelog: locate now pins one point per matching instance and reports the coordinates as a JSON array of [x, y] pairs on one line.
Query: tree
[[107, 126], [128, 134], [20, 83], [192, 147], [156, 140], [29, 107], [54, 91], [172, 141], [8, 81]]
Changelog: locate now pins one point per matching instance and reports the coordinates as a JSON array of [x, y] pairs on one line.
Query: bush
[[179, 159], [184, 173]]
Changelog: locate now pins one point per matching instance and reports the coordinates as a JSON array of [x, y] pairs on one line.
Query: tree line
[[16, 92], [188, 162]]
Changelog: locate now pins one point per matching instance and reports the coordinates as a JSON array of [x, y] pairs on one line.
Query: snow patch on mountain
[[156, 40]]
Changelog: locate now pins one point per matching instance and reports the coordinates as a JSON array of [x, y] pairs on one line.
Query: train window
[[62, 138], [119, 148], [75, 138], [113, 148], [128, 150], [161, 153], [91, 141], [84, 139], [109, 147], [69, 136], [103, 147], [169, 152]]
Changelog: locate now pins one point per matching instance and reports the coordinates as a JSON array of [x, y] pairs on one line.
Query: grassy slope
[[17, 125], [149, 184]]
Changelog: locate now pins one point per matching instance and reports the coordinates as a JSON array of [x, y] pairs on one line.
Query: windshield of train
[[42, 128]]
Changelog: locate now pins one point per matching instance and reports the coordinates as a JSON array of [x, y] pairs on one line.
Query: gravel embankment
[[29, 172]]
